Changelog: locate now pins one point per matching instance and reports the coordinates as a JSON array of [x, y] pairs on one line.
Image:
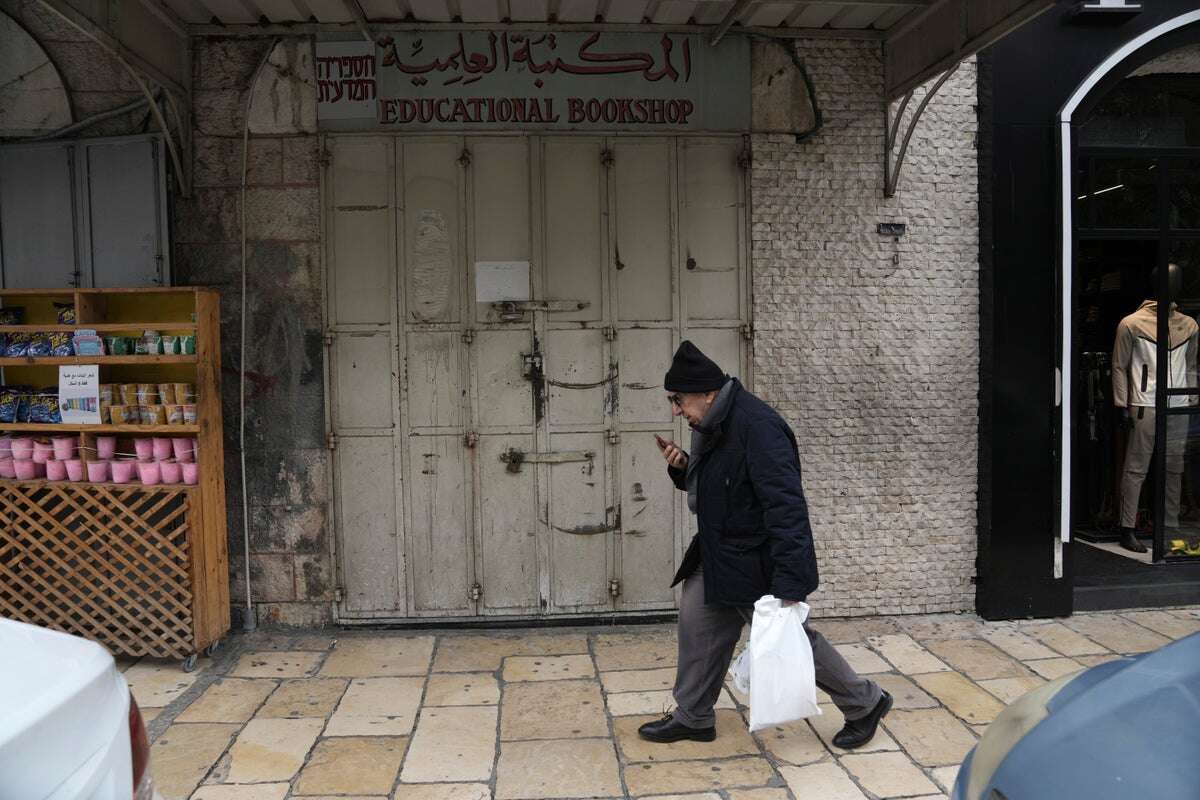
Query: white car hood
[[61, 700]]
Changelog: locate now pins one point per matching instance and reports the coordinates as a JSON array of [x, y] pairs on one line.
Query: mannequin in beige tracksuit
[[1134, 373]]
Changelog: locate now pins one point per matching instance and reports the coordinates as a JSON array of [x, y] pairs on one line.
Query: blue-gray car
[[1124, 730]]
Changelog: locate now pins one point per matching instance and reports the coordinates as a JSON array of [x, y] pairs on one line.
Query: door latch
[[614, 588], [514, 458], [476, 591], [521, 306], [531, 365]]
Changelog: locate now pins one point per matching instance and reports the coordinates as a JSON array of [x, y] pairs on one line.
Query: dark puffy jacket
[[754, 537]]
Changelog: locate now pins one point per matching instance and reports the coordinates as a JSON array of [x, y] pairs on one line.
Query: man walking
[[742, 479]]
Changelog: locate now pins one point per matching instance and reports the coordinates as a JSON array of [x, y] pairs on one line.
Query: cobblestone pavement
[[553, 713]]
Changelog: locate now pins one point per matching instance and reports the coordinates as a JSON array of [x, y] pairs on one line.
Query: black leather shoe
[[858, 732], [1130, 542], [668, 730]]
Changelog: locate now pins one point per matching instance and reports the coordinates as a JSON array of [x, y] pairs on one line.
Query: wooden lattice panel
[[107, 562]]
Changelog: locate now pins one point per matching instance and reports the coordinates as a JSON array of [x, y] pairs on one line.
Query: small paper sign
[[496, 281], [79, 394]]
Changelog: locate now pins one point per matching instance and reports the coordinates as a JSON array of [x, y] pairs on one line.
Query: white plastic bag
[[740, 672], [783, 681]]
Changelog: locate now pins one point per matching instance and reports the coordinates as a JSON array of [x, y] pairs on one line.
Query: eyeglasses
[[675, 399]]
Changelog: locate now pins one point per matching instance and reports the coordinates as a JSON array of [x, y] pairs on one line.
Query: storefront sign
[[484, 80]]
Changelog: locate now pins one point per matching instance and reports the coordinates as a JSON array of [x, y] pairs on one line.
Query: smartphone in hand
[[662, 443]]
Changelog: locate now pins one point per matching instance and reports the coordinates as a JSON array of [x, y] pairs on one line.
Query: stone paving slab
[[527, 715]]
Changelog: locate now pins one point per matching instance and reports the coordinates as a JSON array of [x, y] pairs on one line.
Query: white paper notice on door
[[79, 394], [497, 281]]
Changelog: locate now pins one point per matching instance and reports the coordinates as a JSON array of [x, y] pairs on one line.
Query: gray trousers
[[1137, 464], [707, 637]]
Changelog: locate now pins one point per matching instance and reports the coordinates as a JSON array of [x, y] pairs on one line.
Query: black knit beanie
[[692, 371]]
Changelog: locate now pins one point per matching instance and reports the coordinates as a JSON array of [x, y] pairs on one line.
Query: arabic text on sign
[[520, 52]]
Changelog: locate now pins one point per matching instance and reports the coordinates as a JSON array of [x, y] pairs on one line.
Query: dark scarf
[[705, 437]]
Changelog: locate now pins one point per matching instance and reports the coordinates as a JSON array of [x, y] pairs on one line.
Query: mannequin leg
[[1137, 462]]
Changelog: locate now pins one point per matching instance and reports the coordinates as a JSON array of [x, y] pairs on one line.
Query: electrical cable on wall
[[249, 621]]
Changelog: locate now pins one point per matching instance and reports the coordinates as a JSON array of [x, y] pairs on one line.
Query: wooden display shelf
[[70, 427], [159, 487], [101, 327], [144, 570], [33, 361]]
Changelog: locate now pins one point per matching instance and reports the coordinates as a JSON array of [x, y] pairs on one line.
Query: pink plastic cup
[[106, 447], [8, 468], [145, 449], [56, 470], [122, 471], [171, 471], [185, 448], [148, 473], [97, 471], [191, 472], [5, 447], [64, 448], [162, 448], [75, 469], [42, 452], [22, 448], [26, 470]]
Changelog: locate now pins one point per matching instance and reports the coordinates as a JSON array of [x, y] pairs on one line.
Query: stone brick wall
[[286, 460], [94, 81], [870, 347]]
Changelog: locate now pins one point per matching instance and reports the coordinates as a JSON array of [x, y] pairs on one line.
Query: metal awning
[[920, 37]]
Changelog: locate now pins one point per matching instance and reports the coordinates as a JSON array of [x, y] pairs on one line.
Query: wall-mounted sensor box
[[1108, 7]]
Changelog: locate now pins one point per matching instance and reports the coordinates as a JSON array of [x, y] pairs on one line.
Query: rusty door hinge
[[614, 588], [464, 158], [607, 158], [468, 335], [745, 159], [476, 591], [471, 439], [747, 331], [329, 339], [339, 594], [610, 333], [331, 441]]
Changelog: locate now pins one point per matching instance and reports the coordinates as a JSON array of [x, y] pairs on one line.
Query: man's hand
[[671, 452]]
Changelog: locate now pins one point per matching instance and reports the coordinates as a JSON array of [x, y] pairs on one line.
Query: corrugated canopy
[[920, 38]]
